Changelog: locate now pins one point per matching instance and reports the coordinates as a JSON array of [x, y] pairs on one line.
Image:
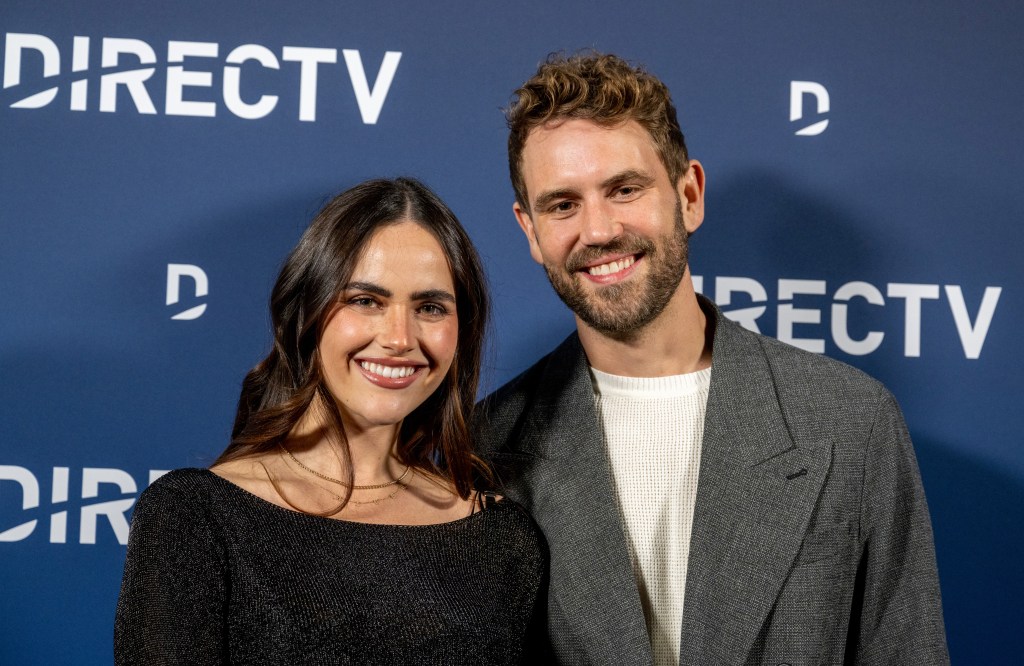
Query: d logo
[[29, 500], [175, 272], [797, 90]]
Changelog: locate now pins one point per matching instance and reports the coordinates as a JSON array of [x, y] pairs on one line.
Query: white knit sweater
[[653, 427]]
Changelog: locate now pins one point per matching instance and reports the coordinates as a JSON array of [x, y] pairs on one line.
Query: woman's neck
[[372, 449]]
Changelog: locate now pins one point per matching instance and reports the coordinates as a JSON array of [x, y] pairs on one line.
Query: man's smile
[[611, 268]]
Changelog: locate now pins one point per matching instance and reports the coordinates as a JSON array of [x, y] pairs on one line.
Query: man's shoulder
[[818, 395], [793, 367], [798, 367], [499, 416]]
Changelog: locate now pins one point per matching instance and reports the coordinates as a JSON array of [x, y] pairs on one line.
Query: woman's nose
[[396, 335]]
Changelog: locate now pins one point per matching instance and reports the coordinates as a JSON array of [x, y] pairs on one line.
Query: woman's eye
[[362, 302], [433, 310]]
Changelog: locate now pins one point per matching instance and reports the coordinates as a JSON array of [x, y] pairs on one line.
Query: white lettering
[[914, 294], [840, 330], [310, 59], [29, 500], [232, 82], [18, 42], [133, 76], [371, 103], [175, 272], [797, 90], [92, 478], [972, 333], [972, 337], [789, 315], [725, 287], [59, 494], [133, 80], [80, 63], [178, 79]]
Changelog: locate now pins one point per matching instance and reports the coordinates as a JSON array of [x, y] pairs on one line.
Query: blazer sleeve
[[900, 615], [172, 606]]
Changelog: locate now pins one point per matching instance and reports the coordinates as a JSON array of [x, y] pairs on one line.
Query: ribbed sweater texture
[[216, 575]]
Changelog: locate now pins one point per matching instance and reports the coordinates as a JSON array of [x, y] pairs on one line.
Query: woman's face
[[391, 339]]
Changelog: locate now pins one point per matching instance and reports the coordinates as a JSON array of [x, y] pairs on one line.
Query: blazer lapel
[[755, 497], [572, 499]]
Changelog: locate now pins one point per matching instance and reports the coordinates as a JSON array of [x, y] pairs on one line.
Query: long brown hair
[[435, 437]]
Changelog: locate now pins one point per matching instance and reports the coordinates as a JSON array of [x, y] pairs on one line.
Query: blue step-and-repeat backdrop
[[157, 161]]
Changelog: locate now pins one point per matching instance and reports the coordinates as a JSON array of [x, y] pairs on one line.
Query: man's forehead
[[563, 124], [573, 148], [559, 121]]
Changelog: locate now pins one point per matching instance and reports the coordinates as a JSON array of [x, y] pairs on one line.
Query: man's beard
[[621, 310]]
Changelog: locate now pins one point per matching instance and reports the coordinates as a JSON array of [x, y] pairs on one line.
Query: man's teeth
[[388, 371], [612, 267]]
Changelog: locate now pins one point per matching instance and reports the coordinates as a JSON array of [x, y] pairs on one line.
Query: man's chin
[[608, 316]]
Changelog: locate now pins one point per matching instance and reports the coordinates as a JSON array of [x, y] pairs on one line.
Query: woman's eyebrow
[[434, 295], [368, 286]]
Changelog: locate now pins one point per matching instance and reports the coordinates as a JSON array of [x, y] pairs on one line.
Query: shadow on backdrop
[[978, 519]]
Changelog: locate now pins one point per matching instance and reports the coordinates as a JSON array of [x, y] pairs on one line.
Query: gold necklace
[[400, 488], [376, 486], [283, 496], [329, 512]]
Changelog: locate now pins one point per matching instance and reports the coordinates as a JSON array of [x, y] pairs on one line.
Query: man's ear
[[691, 195], [526, 224]]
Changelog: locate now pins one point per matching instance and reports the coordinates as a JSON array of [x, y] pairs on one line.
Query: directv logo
[[797, 91], [175, 272], [129, 66], [88, 514], [792, 319]]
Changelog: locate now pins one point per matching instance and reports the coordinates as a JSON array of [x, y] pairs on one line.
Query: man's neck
[[673, 344]]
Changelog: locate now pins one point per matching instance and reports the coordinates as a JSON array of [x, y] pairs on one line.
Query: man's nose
[[600, 224]]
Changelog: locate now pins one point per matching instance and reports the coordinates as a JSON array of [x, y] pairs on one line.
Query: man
[[709, 496]]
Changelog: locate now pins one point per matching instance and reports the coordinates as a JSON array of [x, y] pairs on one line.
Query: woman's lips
[[389, 374]]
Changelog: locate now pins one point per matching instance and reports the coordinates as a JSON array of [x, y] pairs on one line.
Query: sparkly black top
[[217, 575]]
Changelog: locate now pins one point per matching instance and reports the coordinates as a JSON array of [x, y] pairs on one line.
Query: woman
[[341, 524]]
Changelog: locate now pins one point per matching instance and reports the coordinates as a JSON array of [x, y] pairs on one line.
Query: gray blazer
[[811, 540]]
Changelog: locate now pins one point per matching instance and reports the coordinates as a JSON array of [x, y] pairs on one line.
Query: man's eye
[[628, 190], [563, 207]]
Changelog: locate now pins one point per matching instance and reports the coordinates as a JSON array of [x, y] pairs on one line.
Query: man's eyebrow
[[368, 287], [434, 295], [545, 198], [629, 175]]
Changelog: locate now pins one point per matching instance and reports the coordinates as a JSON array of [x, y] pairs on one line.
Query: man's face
[[606, 223]]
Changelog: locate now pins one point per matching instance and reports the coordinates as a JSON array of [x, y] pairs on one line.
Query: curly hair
[[593, 86]]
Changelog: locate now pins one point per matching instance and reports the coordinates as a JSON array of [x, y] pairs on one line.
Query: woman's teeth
[[388, 371]]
